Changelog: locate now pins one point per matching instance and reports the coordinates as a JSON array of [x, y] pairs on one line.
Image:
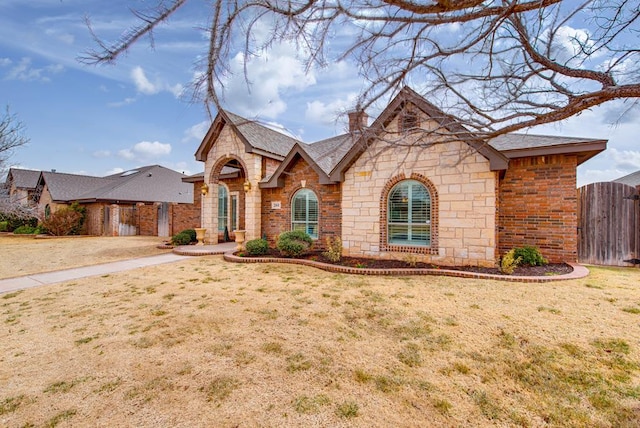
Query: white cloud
[[328, 113], [145, 151], [147, 87], [271, 75], [5, 62], [626, 160], [25, 72], [196, 132]]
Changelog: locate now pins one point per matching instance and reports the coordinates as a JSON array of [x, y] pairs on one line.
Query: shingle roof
[[328, 153], [261, 137], [70, 187], [632, 179], [508, 142], [334, 155], [146, 184], [24, 178], [152, 183]]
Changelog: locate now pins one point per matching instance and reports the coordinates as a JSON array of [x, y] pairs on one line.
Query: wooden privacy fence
[[608, 224]]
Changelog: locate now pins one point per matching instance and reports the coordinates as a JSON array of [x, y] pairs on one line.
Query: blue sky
[[98, 120]]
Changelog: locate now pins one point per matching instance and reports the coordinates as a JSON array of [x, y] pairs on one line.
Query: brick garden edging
[[579, 271]]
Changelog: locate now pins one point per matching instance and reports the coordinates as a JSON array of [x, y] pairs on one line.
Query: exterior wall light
[[204, 189], [246, 185]]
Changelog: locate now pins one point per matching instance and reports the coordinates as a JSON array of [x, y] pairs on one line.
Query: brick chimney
[[358, 120]]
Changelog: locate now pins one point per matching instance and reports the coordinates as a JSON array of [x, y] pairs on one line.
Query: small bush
[[294, 243], [334, 249], [63, 222], [4, 226], [191, 233], [181, 238], [257, 247], [529, 256], [509, 262], [25, 230]]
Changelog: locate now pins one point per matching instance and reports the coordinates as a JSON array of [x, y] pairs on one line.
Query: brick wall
[[275, 221], [147, 219], [538, 206]]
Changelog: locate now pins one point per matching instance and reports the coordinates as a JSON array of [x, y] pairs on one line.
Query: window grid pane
[[409, 214], [222, 208], [304, 212]]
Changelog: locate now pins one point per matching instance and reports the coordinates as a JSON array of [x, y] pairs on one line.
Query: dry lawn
[[24, 255], [203, 343]]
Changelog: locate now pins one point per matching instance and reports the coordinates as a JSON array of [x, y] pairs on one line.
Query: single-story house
[[150, 200], [390, 189]]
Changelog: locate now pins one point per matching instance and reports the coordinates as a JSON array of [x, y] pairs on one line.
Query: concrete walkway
[[46, 278], [38, 279]]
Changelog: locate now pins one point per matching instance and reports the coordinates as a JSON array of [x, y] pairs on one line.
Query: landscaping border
[[579, 271]]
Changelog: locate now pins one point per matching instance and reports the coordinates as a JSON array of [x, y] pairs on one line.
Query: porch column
[[253, 201]]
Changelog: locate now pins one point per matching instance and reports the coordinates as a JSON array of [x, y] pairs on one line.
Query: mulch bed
[[363, 262]]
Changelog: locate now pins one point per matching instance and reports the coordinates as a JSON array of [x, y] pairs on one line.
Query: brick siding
[[275, 221], [538, 206]]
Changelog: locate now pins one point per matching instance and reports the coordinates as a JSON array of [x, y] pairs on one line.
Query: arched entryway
[[228, 189]]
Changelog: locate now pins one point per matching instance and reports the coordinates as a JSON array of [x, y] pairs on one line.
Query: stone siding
[[465, 200], [538, 206], [227, 147]]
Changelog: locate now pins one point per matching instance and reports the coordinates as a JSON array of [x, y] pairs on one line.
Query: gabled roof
[[69, 187], [152, 183], [632, 179], [497, 161], [23, 178], [330, 158], [257, 138]]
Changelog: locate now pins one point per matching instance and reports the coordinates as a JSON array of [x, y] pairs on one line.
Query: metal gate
[[608, 224], [163, 219]]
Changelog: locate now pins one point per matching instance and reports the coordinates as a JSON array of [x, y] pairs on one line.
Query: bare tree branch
[[496, 66]]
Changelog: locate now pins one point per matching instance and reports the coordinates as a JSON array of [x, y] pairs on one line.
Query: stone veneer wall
[[538, 206], [466, 200], [276, 220], [227, 147]]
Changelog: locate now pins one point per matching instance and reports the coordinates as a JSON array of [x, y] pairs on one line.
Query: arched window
[[409, 214], [304, 212], [47, 211], [223, 207]]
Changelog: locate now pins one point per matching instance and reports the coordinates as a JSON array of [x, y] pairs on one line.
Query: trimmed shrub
[[294, 243], [191, 233], [509, 262], [25, 230], [257, 247], [530, 256], [181, 238], [4, 226]]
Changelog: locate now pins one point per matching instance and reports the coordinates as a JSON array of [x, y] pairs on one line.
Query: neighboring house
[[22, 184], [632, 179], [389, 193], [150, 200]]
